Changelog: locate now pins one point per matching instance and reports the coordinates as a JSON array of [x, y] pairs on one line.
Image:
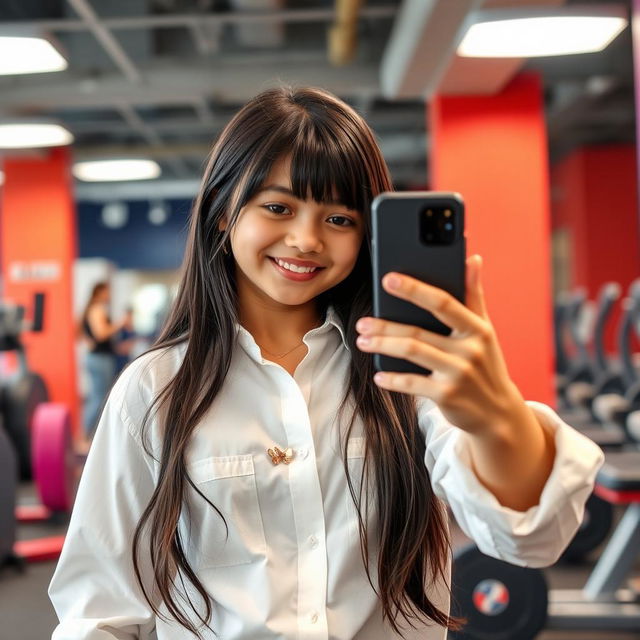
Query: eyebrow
[[288, 192]]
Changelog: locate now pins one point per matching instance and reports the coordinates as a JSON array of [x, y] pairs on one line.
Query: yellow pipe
[[342, 36]]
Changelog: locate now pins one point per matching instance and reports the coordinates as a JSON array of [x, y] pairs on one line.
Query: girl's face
[[276, 224], [104, 295]]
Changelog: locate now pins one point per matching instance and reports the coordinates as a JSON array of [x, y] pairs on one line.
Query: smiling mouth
[[294, 268], [295, 276]]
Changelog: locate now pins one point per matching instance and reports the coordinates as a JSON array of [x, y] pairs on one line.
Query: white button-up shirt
[[291, 566]]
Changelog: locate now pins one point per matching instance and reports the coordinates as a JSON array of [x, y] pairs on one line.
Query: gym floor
[[26, 612]]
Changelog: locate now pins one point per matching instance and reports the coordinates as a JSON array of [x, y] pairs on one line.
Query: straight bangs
[[332, 160], [329, 170]]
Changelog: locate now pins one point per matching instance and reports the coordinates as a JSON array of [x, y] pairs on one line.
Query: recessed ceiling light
[[158, 212], [29, 55], [514, 34], [116, 170], [28, 136], [115, 215]]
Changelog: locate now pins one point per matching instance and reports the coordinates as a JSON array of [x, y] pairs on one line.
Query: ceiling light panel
[[522, 33], [116, 170], [33, 136], [20, 55]]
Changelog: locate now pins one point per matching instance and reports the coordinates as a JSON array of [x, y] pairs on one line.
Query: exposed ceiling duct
[[423, 41], [420, 58]]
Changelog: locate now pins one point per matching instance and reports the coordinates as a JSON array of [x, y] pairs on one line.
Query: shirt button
[[314, 618], [303, 453], [313, 541]]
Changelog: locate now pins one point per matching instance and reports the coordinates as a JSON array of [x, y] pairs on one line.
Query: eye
[[349, 222], [278, 209]]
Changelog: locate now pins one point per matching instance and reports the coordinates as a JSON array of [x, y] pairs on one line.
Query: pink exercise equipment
[[55, 474]]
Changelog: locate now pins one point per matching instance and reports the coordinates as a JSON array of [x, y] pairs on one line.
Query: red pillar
[[493, 150], [38, 248]]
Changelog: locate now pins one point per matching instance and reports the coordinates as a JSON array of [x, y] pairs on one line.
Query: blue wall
[[139, 244]]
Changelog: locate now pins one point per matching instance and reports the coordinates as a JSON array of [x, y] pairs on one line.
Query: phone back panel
[[396, 246]]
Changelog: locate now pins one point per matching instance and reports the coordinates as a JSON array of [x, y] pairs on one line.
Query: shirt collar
[[332, 322], [332, 318]]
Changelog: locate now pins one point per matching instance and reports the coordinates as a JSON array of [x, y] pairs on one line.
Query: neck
[[278, 327]]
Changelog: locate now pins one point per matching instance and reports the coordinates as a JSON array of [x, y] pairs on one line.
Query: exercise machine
[[36, 444], [22, 390], [581, 379], [506, 602]]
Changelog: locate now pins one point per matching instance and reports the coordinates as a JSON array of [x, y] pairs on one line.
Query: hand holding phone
[[421, 234], [436, 321]]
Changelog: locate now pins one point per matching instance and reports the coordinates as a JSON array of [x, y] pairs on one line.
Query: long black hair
[[333, 152]]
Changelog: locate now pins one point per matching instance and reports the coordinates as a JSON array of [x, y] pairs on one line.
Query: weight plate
[[500, 601], [596, 524], [53, 457]]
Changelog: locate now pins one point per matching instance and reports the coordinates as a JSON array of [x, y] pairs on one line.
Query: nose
[[304, 236]]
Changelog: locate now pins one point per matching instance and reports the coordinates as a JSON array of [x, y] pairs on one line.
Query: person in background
[[100, 359], [126, 343]]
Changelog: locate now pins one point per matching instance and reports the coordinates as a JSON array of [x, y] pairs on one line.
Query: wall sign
[[42, 270]]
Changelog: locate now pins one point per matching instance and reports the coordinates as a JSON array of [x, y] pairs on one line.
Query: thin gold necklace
[[284, 354]]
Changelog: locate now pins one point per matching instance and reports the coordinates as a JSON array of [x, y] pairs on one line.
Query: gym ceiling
[[160, 78]]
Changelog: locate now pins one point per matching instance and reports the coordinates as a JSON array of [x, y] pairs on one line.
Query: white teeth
[[294, 268]]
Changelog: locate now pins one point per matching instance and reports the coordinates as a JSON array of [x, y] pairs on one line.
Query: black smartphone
[[421, 234]]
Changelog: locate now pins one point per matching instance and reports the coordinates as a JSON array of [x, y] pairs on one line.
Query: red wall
[[38, 228], [493, 150]]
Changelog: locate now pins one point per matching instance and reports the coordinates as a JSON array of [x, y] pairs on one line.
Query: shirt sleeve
[[94, 589], [536, 537]]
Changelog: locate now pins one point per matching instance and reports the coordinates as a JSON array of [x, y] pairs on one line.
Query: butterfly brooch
[[278, 456]]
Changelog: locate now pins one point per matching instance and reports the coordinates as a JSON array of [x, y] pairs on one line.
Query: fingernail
[[363, 340], [393, 282], [363, 324], [476, 279]]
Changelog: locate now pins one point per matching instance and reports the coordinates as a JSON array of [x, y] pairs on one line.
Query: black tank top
[[99, 347]]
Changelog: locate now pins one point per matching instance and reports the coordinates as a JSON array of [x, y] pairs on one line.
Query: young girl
[[250, 478]]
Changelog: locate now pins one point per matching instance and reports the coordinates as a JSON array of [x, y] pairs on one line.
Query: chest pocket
[[355, 463], [230, 484]]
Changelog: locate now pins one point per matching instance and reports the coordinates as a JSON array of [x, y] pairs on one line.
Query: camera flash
[[447, 213], [429, 212]]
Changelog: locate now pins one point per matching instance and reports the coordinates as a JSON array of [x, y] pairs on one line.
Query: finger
[[410, 383], [424, 355], [440, 303], [370, 326], [475, 299]]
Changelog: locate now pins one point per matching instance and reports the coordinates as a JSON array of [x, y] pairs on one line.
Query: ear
[[222, 225]]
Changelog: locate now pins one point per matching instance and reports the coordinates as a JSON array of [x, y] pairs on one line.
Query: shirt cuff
[[538, 536]]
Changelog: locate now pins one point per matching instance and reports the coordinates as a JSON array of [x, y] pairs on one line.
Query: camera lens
[[437, 225]]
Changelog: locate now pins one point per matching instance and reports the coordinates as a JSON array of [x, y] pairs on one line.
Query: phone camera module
[[437, 225]]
